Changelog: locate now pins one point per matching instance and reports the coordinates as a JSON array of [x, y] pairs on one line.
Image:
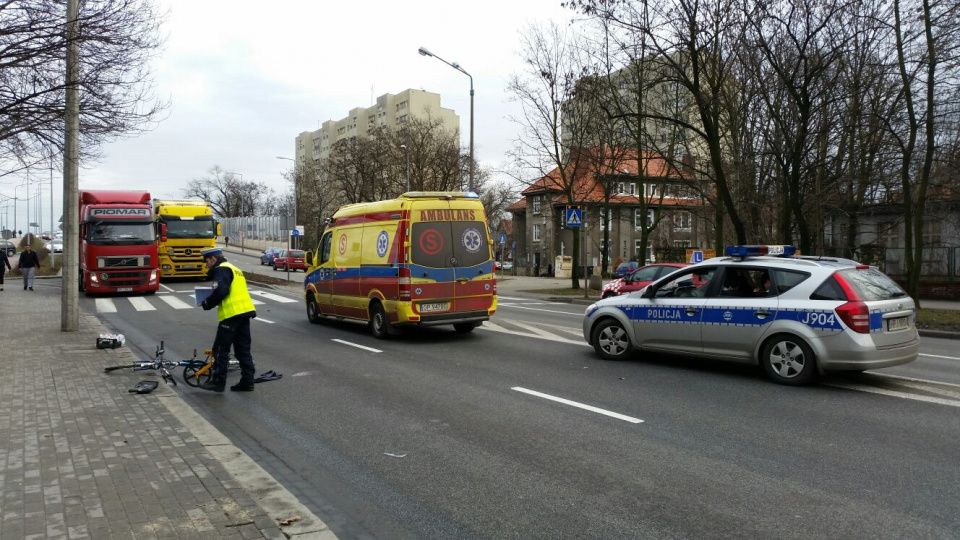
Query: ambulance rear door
[[431, 273]]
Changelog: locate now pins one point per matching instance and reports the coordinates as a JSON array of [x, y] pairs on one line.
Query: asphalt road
[[519, 430]]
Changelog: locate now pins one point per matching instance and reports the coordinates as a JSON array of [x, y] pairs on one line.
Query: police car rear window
[[872, 284]]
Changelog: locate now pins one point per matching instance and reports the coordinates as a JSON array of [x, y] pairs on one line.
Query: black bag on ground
[[144, 387]]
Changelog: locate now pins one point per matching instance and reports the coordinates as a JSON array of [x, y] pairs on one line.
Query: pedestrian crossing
[[177, 300]]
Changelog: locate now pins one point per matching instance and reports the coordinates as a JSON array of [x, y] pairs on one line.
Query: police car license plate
[[434, 306], [898, 323], [124, 289]]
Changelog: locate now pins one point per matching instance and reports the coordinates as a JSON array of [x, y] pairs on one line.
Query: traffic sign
[[294, 232], [574, 216], [503, 239]]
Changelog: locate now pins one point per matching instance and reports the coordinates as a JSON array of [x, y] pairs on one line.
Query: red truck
[[118, 244]]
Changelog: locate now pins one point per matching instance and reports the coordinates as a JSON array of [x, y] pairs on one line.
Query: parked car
[[293, 259], [268, 255], [507, 266], [8, 247], [626, 268], [793, 316], [639, 279], [497, 265]]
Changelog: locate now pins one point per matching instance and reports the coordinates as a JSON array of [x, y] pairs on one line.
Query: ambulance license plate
[[124, 289], [899, 323], [434, 306]]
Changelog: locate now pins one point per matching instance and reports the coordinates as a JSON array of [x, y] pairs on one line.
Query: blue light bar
[[756, 251], [471, 195]]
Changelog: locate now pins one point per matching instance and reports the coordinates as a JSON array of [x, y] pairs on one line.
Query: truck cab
[[184, 228]]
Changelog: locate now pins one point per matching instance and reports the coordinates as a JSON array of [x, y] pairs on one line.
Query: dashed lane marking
[[371, 349], [274, 297], [939, 356], [578, 405], [261, 319]]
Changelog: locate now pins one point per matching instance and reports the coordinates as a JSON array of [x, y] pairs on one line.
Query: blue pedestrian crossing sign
[[503, 239], [574, 216]]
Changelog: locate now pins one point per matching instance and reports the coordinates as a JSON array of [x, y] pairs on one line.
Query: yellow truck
[[184, 228]]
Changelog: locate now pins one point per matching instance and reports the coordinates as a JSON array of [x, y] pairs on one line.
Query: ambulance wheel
[[788, 360], [610, 340], [313, 310], [465, 328], [379, 324]]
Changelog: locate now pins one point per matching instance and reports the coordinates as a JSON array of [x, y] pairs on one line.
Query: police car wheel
[[610, 340], [788, 360], [313, 311], [379, 324]]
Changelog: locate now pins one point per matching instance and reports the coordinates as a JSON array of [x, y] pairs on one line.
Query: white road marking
[[167, 288], [545, 310], [493, 327], [912, 379], [579, 405], [894, 393], [175, 302], [106, 305], [274, 297], [261, 319], [141, 304], [939, 356], [371, 349], [533, 329], [257, 302]]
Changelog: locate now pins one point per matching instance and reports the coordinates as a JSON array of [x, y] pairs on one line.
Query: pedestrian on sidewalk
[[234, 310], [226, 241], [28, 264], [4, 265]]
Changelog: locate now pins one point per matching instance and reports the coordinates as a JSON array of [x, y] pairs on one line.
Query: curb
[[942, 334]]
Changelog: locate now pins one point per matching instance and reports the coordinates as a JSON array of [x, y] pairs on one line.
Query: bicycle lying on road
[[158, 364], [196, 371]]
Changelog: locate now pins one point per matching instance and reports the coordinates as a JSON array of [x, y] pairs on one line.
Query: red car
[[292, 258], [640, 278]]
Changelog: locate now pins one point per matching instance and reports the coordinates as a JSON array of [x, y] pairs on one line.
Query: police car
[[794, 315]]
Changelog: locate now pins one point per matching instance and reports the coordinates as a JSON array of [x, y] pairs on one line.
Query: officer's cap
[[212, 252]]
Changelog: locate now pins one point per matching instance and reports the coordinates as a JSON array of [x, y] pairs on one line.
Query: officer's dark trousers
[[234, 331]]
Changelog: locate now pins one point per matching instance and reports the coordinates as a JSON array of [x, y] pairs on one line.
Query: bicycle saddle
[[144, 387]]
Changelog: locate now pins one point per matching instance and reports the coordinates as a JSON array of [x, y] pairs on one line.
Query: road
[[518, 430]]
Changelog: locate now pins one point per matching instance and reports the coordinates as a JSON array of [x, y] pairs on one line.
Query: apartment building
[[390, 111]]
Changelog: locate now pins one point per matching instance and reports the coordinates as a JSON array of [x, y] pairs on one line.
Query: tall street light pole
[[424, 52], [290, 232], [296, 189], [406, 152]]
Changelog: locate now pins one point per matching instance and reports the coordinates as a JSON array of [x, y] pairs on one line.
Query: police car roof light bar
[[757, 251]]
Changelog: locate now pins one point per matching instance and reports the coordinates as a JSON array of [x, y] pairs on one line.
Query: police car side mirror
[[648, 292], [308, 257]]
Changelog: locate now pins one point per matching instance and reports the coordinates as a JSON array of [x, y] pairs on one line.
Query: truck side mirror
[[308, 257], [163, 232]]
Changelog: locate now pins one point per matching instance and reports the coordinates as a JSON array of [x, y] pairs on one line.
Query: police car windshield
[[119, 233], [872, 284]]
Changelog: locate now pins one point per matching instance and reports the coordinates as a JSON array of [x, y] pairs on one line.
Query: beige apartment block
[[391, 110]]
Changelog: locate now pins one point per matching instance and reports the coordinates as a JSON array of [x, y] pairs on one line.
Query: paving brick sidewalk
[[81, 457]]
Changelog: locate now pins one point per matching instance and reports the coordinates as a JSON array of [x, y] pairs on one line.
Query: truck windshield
[[196, 228], [119, 233]]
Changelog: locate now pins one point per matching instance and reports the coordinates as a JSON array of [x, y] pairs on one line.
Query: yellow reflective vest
[[238, 301]]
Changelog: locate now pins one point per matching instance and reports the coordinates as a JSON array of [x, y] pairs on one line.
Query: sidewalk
[[80, 457]]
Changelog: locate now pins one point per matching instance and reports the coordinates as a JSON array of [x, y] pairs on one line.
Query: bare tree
[[118, 38], [228, 193]]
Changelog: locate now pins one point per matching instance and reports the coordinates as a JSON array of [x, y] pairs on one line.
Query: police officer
[[234, 311]]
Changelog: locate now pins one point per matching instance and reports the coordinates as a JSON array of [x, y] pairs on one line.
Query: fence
[[941, 262], [268, 228]]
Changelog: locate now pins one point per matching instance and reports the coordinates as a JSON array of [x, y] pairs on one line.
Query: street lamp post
[[424, 52], [296, 193], [406, 152]]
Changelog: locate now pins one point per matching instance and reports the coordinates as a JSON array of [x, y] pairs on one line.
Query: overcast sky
[[245, 79]]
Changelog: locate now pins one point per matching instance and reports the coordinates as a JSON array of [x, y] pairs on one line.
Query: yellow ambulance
[[423, 258]]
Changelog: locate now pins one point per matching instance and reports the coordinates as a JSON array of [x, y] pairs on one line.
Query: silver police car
[[795, 316]]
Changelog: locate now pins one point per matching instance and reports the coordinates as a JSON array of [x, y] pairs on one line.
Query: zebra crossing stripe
[[106, 305], [274, 297], [141, 304], [175, 302]]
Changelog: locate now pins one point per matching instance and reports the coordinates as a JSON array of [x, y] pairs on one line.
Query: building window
[[536, 232], [633, 189], [620, 188], [931, 232], [682, 221], [681, 243], [888, 234], [638, 217], [536, 205], [606, 219], [648, 258], [649, 190]]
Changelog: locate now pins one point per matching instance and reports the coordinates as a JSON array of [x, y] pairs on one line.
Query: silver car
[[795, 316]]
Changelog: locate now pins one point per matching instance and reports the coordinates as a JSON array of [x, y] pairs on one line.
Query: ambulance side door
[[346, 283]]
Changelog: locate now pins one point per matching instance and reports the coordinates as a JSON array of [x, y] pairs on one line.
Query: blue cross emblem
[[471, 240], [383, 242]]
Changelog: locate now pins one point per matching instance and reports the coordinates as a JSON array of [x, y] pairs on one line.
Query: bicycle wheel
[[192, 379]]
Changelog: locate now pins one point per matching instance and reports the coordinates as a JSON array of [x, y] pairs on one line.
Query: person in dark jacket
[[28, 264], [234, 311], [4, 265]]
